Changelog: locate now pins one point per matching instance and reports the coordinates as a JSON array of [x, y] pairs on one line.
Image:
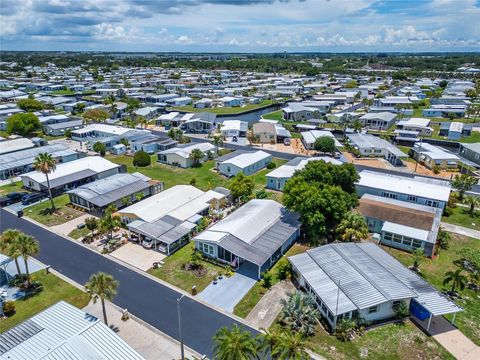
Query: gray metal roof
[[167, 229], [110, 189], [63, 332], [67, 179], [363, 275], [26, 157]]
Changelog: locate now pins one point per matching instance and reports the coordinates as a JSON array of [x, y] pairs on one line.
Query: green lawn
[[79, 233], [386, 342], [173, 273], [275, 115], [251, 299], [63, 92], [434, 270], [225, 110], [12, 187], [171, 175], [460, 216], [39, 212], [54, 290], [260, 177]]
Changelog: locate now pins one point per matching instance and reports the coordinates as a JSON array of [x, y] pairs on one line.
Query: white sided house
[[71, 174], [360, 280], [180, 155], [240, 161], [253, 237], [164, 221], [419, 190], [277, 178], [234, 128]]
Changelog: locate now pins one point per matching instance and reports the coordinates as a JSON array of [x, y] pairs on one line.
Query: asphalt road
[[149, 300]]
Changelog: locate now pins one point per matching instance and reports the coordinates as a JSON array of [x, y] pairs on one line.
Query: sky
[[240, 25]]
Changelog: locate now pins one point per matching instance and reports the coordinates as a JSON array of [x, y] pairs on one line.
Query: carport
[[430, 305]]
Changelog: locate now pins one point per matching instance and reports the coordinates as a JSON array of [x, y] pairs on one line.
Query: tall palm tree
[[353, 227], [104, 287], [8, 246], [109, 222], [292, 346], [196, 155], [113, 109], [46, 164], [300, 312], [457, 279], [269, 340], [217, 141], [27, 246], [472, 202], [234, 344]]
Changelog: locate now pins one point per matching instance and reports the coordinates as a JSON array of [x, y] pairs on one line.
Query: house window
[[372, 309], [330, 316], [407, 241], [416, 243], [324, 308], [387, 236], [431, 203], [389, 195], [396, 304], [397, 238], [412, 198]]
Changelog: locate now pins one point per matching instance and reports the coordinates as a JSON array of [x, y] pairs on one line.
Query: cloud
[[240, 25]]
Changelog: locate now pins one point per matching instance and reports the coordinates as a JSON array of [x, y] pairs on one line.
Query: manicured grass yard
[[460, 216], [251, 299], [275, 115], [12, 187], [390, 341], [54, 290], [171, 175], [172, 271], [225, 110], [79, 233], [39, 212], [433, 271], [260, 177]]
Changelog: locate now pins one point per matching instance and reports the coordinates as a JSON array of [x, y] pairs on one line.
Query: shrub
[[100, 148], [447, 212], [345, 329], [271, 165], [9, 308], [436, 169], [401, 310], [267, 280], [261, 194], [284, 269], [141, 159]]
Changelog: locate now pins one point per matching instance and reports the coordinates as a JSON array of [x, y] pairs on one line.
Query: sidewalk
[[460, 230], [451, 338], [147, 341], [67, 227]]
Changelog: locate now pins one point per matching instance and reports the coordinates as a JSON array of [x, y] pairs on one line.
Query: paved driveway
[[137, 256], [227, 292], [461, 230]]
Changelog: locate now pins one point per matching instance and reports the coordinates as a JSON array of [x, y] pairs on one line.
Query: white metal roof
[[184, 151], [96, 164], [404, 185], [310, 136], [407, 231], [234, 125], [103, 128], [246, 159], [9, 146], [63, 332], [287, 170]]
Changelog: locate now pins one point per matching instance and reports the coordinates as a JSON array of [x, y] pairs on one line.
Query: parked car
[[32, 198], [286, 141], [12, 198]]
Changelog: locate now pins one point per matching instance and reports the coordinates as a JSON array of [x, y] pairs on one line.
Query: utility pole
[[180, 327]]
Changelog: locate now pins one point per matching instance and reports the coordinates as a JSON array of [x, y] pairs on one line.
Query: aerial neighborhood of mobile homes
[[235, 185]]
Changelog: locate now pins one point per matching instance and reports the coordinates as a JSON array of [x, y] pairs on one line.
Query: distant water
[[251, 117]]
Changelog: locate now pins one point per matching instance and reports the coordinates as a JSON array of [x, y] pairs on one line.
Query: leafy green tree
[[132, 105], [196, 155], [353, 227], [46, 164], [27, 247], [141, 159], [30, 105], [104, 287], [456, 278], [91, 224], [321, 173], [284, 269], [95, 115], [109, 222], [325, 144], [401, 310], [234, 344], [443, 239], [124, 142], [8, 246], [267, 279], [23, 124], [463, 183], [299, 312], [100, 148], [352, 84], [241, 187]]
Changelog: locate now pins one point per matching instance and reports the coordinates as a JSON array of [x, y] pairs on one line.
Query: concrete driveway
[[461, 230], [69, 226], [138, 256], [227, 292]]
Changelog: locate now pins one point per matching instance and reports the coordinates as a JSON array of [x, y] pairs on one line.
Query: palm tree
[[353, 227], [91, 224], [46, 164], [104, 287], [456, 278], [113, 109], [109, 222], [472, 202], [142, 121], [8, 246], [418, 256], [292, 346], [269, 340], [217, 141], [234, 344], [27, 246], [300, 312], [196, 155]]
